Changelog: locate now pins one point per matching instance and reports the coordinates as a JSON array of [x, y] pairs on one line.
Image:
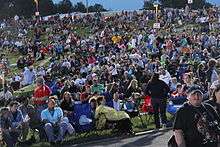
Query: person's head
[[31, 68], [4, 111], [174, 80], [51, 102], [194, 95], [100, 100], [93, 103], [67, 96], [24, 100], [212, 63], [216, 93], [187, 78], [40, 81], [13, 106], [95, 80], [162, 70], [201, 66], [179, 88]]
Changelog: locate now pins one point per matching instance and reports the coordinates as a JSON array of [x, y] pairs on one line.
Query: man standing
[[158, 91], [196, 124]]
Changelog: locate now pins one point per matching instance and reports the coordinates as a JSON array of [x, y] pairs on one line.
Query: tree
[[97, 8], [79, 7], [197, 4], [65, 6], [46, 7], [24, 8], [148, 5], [5, 7]]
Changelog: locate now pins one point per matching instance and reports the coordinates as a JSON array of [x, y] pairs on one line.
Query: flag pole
[[37, 7]]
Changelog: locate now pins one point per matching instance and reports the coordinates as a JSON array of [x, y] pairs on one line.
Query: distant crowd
[[100, 69]]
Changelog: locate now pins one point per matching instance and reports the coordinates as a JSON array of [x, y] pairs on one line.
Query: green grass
[[25, 91], [138, 126]]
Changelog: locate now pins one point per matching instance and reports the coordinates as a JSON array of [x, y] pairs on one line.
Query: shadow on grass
[[82, 138]]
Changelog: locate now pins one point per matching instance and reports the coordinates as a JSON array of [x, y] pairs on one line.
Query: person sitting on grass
[[9, 134], [55, 125], [104, 114], [67, 105], [31, 116], [17, 119]]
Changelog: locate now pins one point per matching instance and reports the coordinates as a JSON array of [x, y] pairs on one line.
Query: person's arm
[[60, 115], [179, 127], [179, 138], [44, 118]]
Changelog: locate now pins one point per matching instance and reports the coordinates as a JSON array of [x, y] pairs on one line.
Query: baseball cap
[[193, 89]]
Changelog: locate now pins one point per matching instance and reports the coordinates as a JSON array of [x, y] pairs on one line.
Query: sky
[[122, 4]]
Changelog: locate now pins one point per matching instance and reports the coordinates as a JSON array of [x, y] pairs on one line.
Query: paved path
[[154, 139]]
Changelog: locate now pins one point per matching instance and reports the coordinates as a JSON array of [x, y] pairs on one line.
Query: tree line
[[27, 8], [196, 4]]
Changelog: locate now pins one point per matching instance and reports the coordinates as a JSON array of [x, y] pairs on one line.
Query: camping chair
[[174, 104], [130, 107], [146, 109], [83, 118]]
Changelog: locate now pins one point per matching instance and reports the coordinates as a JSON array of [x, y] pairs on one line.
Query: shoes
[[164, 126]]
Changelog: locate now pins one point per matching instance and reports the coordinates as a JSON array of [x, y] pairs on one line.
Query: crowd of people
[[121, 58]]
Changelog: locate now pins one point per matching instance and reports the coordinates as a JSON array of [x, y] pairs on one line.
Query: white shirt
[[29, 76], [80, 82], [166, 78], [214, 84], [66, 64], [140, 38], [116, 105], [8, 95], [133, 43]]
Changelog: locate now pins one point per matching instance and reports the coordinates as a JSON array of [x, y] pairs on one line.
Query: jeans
[[10, 138], [57, 133], [159, 106]]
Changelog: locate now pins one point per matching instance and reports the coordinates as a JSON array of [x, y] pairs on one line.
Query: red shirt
[[91, 60], [39, 92]]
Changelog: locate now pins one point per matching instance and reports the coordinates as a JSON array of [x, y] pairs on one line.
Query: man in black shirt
[[193, 126], [158, 91]]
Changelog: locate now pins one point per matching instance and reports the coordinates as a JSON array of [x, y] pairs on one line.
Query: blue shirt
[[52, 118], [16, 118]]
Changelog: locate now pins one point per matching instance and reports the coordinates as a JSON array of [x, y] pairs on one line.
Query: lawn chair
[[175, 103], [83, 117], [146, 109]]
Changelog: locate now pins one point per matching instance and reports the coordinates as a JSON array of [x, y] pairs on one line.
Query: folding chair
[[83, 118], [146, 109]]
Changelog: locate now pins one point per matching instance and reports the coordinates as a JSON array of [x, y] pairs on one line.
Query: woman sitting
[[67, 105], [105, 114]]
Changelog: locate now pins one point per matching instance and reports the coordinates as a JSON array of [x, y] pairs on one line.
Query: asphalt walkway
[[150, 139]]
